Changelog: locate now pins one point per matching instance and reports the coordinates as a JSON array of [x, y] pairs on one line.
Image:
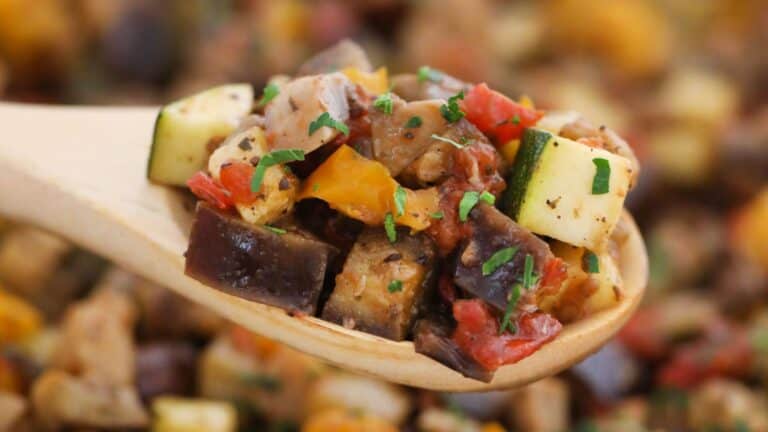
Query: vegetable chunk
[[252, 262], [382, 284]]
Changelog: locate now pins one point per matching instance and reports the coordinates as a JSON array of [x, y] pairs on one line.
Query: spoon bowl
[[80, 172]]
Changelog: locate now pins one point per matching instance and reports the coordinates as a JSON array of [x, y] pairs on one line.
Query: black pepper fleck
[[245, 144], [393, 257], [408, 135], [284, 184], [293, 105], [255, 160]]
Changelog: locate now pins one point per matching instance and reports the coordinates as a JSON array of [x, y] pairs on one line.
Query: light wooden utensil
[[80, 172]]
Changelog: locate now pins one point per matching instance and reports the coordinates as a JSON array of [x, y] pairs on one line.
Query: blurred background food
[[86, 346]]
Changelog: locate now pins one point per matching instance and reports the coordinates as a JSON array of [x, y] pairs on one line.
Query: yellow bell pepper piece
[[749, 231], [363, 189], [527, 102], [492, 427], [374, 82], [341, 421], [509, 150], [18, 319]]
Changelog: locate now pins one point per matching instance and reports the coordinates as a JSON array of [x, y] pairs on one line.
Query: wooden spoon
[[80, 172]]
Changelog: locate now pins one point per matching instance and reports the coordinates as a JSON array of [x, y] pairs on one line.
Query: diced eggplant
[[302, 101], [432, 338], [284, 270], [441, 86], [382, 284], [493, 231], [398, 140], [343, 54]]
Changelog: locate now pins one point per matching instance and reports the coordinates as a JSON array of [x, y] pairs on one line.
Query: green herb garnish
[[326, 120], [427, 73], [514, 296], [467, 203], [400, 198], [602, 176], [383, 103], [488, 198], [315, 187], [593, 264], [528, 276], [451, 110], [447, 140], [437, 215], [270, 92], [395, 286], [389, 227], [498, 259], [276, 230], [413, 122], [516, 119], [276, 157]]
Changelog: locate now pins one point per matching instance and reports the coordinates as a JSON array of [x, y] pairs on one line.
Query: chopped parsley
[[326, 120], [498, 259], [276, 157], [413, 122], [276, 230], [593, 264], [451, 110], [400, 198], [516, 119], [447, 140], [395, 286], [427, 73], [383, 103], [514, 296], [602, 176], [529, 279], [488, 198], [270, 92], [315, 187], [437, 215], [389, 227]]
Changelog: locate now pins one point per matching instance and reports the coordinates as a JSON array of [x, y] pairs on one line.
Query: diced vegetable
[[193, 415], [344, 421], [184, 129], [496, 115], [373, 82], [232, 166], [362, 298], [432, 337], [492, 231], [360, 394], [749, 229], [583, 292], [550, 190], [300, 103], [364, 190], [252, 262], [18, 319]]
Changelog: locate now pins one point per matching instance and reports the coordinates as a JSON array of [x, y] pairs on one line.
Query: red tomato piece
[[553, 275], [236, 178], [205, 188], [477, 334], [496, 115]]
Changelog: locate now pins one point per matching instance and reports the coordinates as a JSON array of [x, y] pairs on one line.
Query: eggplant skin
[[492, 231], [432, 338], [249, 261]]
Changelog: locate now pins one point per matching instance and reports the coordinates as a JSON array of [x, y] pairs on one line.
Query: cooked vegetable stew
[[443, 225]]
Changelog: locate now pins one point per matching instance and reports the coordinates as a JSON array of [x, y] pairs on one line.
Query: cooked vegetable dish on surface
[[686, 83], [414, 208]]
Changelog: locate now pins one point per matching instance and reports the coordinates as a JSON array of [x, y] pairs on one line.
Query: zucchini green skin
[[154, 143], [532, 146]]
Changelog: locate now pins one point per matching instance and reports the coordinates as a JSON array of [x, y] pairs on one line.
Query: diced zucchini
[[184, 128], [190, 415], [550, 189]]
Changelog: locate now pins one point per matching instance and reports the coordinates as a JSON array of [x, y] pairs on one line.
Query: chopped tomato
[[477, 334], [497, 115], [236, 178], [205, 188], [553, 275], [728, 355]]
